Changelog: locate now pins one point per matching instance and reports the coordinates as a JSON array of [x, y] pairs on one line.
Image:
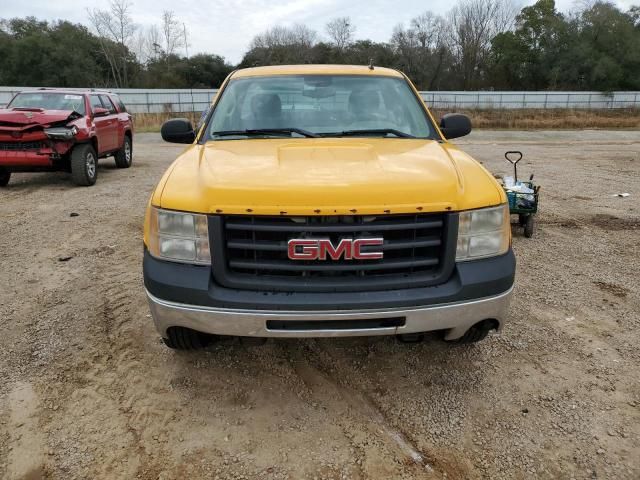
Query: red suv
[[68, 130]]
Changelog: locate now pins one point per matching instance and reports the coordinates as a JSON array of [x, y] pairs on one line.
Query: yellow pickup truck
[[322, 201]]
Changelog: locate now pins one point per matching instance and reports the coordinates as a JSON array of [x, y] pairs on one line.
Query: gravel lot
[[89, 391]]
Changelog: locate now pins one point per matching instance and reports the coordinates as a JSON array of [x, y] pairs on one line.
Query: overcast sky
[[226, 27]]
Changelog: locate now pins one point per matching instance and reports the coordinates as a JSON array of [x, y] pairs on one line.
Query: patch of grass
[[515, 119], [548, 119], [151, 122]]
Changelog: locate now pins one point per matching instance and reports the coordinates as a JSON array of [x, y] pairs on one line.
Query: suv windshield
[[49, 101], [319, 105]]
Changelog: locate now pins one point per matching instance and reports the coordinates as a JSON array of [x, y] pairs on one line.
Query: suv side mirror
[[178, 130], [454, 125], [100, 112]]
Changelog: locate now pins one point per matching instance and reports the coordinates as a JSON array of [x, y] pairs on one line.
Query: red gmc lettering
[[309, 250], [320, 249], [342, 250], [357, 244]]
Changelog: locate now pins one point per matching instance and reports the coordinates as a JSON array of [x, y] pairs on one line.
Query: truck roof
[[316, 70]]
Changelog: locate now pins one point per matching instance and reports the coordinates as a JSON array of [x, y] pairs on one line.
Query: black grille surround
[[250, 252], [21, 146]]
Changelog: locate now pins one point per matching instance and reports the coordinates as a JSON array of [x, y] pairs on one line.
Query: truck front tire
[[5, 176], [476, 333], [84, 165], [180, 338]]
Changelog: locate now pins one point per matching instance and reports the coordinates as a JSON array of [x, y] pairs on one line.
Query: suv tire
[[180, 338], [84, 165], [124, 156], [5, 176]]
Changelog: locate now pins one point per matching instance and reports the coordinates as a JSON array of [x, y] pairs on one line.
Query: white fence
[[185, 100]]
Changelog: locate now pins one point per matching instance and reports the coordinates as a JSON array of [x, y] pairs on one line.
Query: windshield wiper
[[373, 131], [265, 131]]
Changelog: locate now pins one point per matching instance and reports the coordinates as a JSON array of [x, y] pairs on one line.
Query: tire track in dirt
[[358, 408], [118, 317], [26, 458]]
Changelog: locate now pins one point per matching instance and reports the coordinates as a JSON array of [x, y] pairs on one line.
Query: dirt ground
[[89, 391]]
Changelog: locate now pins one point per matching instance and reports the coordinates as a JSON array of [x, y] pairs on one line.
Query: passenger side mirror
[[100, 112], [454, 125], [178, 130]]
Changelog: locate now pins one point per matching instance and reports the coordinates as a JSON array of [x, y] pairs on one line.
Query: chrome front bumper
[[454, 317]]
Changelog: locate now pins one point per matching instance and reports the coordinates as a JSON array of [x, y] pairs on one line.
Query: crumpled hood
[[29, 118], [326, 177]]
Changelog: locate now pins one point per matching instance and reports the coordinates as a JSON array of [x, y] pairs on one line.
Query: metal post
[[546, 97], [590, 95], [148, 104]]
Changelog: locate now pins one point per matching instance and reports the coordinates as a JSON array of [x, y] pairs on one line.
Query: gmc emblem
[[320, 249]]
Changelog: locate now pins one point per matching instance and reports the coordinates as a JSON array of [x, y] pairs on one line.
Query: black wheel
[[180, 338], [529, 227], [522, 219], [124, 156], [5, 176], [476, 333], [84, 165]]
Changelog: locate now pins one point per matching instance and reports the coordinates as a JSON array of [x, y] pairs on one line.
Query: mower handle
[[513, 152]]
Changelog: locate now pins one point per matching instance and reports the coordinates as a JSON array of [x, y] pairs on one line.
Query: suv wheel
[[124, 156], [5, 176], [84, 165], [180, 338]]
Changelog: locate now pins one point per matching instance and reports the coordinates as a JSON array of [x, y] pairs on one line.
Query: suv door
[[124, 118], [106, 125]]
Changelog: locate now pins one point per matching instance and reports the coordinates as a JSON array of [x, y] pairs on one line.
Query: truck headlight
[[61, 133], [485, 232], [179, 237]]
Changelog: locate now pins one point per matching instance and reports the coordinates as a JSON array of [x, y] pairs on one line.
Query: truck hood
[[342, 176], [24, 119]]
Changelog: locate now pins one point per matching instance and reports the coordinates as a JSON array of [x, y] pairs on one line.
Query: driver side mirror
[[100, 112], [178, 130], [454, 125]]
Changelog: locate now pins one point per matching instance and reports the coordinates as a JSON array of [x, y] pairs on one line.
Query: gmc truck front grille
[[20, 146], [250, 252]]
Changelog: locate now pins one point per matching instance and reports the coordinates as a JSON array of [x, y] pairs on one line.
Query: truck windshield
[[319, 105], [49, 101]]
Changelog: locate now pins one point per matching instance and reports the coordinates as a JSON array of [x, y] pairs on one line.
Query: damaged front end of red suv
[[34, 139]]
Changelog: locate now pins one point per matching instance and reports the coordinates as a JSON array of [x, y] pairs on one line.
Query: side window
[[107, 103], [121, 106], [95, 102]]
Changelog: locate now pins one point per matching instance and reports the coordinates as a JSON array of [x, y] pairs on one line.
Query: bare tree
[[172, 33], [116, 30], [430, 29], [281, 45], [279, 36], [474, 23], [341, 31], [422, 47], [148, 43]]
